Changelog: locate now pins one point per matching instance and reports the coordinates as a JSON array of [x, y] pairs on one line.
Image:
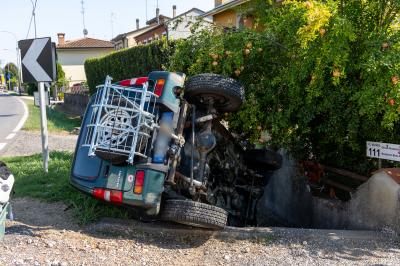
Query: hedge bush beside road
[[133, 62]]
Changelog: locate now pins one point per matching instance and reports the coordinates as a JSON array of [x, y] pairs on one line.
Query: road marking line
[[11, 136], [24, 117], [2, 145]]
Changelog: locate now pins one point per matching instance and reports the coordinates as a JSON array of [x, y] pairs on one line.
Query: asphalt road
[[12, 116]]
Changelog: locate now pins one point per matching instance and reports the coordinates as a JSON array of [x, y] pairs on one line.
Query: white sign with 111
[[386, 151]]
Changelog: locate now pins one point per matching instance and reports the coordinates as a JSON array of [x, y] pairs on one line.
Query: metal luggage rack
[[122, 120]]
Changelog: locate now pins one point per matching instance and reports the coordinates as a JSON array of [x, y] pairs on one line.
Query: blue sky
[[53, 16]]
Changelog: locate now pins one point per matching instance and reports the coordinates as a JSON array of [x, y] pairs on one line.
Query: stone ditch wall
[[287, 201]]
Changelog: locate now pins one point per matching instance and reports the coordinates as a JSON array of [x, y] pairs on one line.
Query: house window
[[240, 21]]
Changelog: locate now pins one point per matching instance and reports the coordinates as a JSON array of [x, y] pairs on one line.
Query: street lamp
[[18, 58]]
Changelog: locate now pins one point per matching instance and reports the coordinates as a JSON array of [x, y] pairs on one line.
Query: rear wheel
[[226, 94], [195, 214]]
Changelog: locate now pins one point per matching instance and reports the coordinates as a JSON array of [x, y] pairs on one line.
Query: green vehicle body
[[91, 173]]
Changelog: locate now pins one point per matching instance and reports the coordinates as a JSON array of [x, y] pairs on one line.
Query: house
[[231, 14], [156, 29], [177, 27], [127, 40], [72, 55]]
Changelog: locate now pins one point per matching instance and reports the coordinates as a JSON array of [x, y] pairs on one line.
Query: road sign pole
[[43, 127], [38, 63]]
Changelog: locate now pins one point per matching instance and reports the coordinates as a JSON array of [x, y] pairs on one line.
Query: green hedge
[[133, 62]]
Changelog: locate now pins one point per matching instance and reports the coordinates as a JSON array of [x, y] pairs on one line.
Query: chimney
[[158, 15], [174, 11], [218, 2], [61, 38], [137, 23]]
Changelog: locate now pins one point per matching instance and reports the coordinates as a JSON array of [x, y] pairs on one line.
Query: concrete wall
[[376, 204], [287, 201]]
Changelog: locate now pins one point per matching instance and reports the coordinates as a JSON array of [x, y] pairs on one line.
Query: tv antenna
[[85, 31], [112, 25], [146, 10]]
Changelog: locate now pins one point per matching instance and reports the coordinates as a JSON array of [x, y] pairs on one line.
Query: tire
[[227, 93], [4, 171], [113, 157], [195, 214], [263, 159]]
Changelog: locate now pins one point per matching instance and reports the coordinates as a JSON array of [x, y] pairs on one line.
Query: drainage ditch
[[289, 200]]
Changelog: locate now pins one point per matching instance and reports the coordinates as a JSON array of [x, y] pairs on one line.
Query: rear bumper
[[150, 197]]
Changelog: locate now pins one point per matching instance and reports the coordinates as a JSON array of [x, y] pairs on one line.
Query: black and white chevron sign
[[38, 60]]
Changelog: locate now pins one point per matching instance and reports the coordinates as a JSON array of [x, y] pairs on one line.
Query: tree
[[321, 77], [11, 70]]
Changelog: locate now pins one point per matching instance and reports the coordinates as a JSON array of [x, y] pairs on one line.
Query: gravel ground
[[45, 234], [29, 143]]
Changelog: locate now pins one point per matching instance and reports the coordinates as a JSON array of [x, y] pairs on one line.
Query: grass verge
[[57, 122], [32, 181]]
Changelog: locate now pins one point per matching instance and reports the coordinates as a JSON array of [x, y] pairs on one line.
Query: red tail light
[[139, 182], [140, 81], [116, 196], [113, 196], [133, 82], [98, 193], [159, 87]]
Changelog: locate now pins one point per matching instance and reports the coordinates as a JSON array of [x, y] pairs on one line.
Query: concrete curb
[[130, 227]]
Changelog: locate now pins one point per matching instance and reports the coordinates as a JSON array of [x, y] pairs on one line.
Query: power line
[[33, 18]]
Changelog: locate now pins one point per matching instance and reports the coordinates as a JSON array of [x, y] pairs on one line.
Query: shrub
[[321, 78], [133, 62], [31, 88]]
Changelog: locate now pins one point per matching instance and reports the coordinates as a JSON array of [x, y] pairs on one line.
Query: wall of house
[[118, 45], [153, 34], [221, 2], [226, 18], [179, 28], [131, 40], [72, 61], [248, 22]]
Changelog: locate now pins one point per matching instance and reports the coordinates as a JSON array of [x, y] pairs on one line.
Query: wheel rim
[[114, 128], [218, 100]]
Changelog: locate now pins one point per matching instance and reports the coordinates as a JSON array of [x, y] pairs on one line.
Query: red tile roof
[[86, 43]]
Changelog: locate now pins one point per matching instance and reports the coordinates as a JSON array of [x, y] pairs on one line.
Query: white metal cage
[[122, 120]]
